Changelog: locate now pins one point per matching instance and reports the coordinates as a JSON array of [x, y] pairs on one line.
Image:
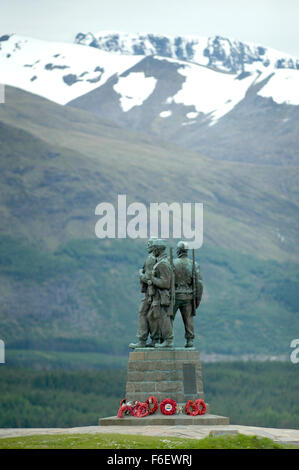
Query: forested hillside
[[250, 393]]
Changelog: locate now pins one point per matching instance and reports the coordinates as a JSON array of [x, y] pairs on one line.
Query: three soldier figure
[[168, 287]]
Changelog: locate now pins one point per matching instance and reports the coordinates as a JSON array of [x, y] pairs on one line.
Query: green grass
[[118, 441]]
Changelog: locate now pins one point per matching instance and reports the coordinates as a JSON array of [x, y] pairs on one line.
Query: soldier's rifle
[[193, 283], [172, 280]]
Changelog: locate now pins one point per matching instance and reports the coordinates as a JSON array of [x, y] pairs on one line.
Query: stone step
[[163, 420]]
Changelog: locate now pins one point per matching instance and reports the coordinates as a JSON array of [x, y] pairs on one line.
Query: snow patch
[[188, 123], [61, 71], [165, 114], [191, 115], [283, 87], [211, 92], [134, 89]]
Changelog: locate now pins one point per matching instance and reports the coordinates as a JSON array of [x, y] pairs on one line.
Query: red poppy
[[201, 406], [124, 409], [194, 408], [154, 402], [168, 406], [140, 410]]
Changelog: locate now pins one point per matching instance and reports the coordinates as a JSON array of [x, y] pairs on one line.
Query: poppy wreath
[[140, 410], [123, 402], [124, 409], [168, 406], [154, 401], [194, 408], [201, 406]]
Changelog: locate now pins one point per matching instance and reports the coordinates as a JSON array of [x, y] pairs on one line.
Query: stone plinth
[[170, 373], [173, 373], [158, 419]]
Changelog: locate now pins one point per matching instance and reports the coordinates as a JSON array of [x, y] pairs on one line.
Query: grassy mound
[[118, 441]]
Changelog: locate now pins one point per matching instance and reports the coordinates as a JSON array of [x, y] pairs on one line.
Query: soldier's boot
[[140, 344], [189, 343], [152, 344], [165, 344]]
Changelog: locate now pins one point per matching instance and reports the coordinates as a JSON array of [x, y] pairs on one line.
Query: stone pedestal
[[173, 373], [170, 373]]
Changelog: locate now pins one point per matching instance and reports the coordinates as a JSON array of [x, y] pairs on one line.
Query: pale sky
[[272, 23]]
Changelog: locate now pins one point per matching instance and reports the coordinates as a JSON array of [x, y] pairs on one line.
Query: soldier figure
[[143, 322], [157, 306], [161, 309], [188, 290]]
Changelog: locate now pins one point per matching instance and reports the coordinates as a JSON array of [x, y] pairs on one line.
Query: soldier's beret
[[151, 240], [182, 245], [159, 242]]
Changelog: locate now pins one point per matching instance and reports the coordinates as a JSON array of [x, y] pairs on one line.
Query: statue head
[[150, 244], [182, 249], [159, 246]]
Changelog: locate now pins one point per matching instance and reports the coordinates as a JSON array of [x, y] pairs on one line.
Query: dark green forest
[[250, 393]]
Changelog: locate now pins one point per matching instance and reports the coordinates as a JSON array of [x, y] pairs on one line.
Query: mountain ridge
[[193, 104], [248, 124], [211, 50]]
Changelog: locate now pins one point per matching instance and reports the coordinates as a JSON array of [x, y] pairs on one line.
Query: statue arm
[[142, 276], [164, 281], [199, 286]]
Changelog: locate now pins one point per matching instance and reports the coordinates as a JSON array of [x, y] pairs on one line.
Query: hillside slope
[[63, 289], [249, 208], [250, 117]]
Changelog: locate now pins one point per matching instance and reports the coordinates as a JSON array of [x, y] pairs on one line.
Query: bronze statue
[[143, 321], [168, 286], [162, 306], [156, 307], [188, 290]]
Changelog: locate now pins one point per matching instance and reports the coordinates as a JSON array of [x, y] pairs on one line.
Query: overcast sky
[[272, 23]]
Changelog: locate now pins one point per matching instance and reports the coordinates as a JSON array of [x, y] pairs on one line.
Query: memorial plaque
[[189, 374]]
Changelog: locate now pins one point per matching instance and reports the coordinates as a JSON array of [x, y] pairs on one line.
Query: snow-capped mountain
[[62, 72], [218, 52], [170, 88], [215, 73], [58, 71], [192, 90], [224, 98]]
